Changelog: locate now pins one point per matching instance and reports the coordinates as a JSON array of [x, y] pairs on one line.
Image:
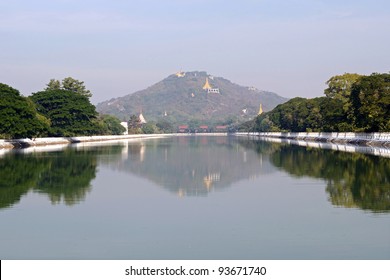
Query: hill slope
[[180, 98]]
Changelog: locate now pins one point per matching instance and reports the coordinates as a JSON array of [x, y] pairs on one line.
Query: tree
[[370, 99], [70, 84], [53, 84], [18, 116], [165, 126], [111, 125], [134, 125], [69, 114], [149, 128], [339, 88]]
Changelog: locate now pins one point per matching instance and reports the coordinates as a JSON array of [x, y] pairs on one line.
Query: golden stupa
[[207, 85], [260, 109]]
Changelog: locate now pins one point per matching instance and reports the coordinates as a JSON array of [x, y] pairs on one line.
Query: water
[[193, 198]]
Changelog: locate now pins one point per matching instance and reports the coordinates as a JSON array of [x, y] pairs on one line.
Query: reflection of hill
[[354, 180], [64, 175], [194, 165]]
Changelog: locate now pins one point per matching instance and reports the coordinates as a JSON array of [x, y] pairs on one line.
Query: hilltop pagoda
[[209, 88]]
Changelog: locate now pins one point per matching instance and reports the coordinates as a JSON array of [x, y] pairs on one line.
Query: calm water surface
[[194, 198]]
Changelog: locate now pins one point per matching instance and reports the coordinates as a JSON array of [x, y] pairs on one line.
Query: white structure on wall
[[125, 125]]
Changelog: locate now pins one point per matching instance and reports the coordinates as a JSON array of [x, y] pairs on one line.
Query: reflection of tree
[[17, 176], [260, 146], [64, 175], [68, 176], [354, 180]]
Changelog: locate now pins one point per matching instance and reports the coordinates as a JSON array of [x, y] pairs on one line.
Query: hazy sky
[[290, 47]]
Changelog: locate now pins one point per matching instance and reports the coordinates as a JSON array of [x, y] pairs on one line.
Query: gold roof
[[260, 109], [207, 85]]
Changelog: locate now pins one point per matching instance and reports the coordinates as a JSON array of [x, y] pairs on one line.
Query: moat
[[193, 197]]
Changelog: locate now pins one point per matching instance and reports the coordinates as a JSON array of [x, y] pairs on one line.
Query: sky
[[117, 47]]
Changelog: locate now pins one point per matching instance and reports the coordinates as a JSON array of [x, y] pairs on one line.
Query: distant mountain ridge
[[193, 97]]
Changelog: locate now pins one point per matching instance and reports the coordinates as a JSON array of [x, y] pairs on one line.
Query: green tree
[[134, 125], [53, 84], [69, 84], [18, 116], [165, 126], [149, 128], [339, 88], [69, 114], [110, 125], [370, 99]]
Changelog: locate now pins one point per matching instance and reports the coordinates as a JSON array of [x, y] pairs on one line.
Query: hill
[[193, 97]]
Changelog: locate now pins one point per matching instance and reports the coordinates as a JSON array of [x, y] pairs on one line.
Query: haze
[[117, 47]]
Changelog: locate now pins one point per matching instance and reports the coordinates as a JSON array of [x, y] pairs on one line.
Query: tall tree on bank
[[70, 114], [110, 125], [70, 84], [339, 88], [18, 117], [370, 98], [134, 125]]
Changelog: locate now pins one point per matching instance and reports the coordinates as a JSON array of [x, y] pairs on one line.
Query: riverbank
[[365, 139], [362, 139], [26, 142]]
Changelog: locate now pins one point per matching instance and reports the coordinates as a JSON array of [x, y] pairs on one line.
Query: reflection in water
[[62, 176], [195, 166], [198, 165], [353, 179], [17, 175]]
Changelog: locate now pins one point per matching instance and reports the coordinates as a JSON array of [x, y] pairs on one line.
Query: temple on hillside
[[209, 88], [260, 109], [141, 119], [180, 74], [207, 85]]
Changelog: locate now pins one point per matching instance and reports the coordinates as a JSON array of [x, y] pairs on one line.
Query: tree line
[[352, 103], [62, 109]]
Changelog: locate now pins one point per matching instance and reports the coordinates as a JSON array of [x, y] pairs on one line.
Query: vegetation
[[70, 114], [179, 100], [18, 117], [370, 98], [69, 84], [110, 125], [134, 125], [62, 109], [353, 103]]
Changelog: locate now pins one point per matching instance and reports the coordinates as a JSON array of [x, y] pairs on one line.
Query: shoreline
[[50, 141], [381, 139], [376, 139]]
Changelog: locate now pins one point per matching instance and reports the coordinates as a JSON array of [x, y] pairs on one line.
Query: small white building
[[125, 125], [213, 90]]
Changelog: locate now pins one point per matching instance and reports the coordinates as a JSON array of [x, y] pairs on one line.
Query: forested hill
[[183, 97]]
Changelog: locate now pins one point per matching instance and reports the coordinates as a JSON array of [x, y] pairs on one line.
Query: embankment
[[22, 143], [366, 139]]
